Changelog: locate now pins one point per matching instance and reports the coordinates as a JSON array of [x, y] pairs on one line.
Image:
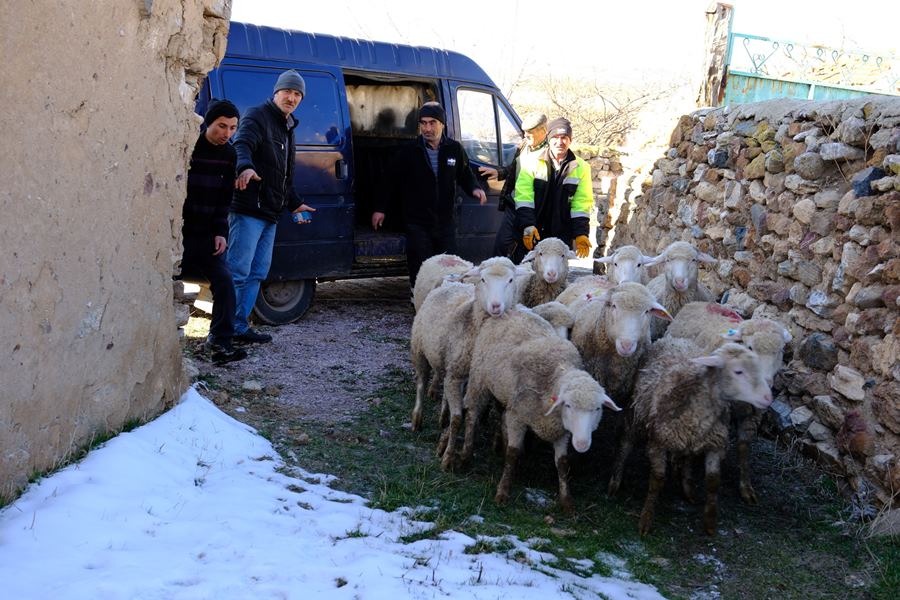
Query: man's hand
[[301, 208], [377, 220], [245, 177], [530, 237], [487, 172], [479, 193], [220, 245], [582, 246]]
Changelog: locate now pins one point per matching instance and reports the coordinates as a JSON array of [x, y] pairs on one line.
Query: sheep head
[[629, 264], [741, 377], [766, 338], [495, 288], [681, 262], [550, 259], [626, 317], [581, 401]]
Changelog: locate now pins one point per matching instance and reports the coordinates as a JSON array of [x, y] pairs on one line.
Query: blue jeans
[[250, 243]]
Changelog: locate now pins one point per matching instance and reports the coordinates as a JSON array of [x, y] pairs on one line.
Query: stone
[[887, 524], [818, 432], [852, 131], [741, 276], [885, 184], [804, 209], [847, 382], [798, 294], [781, 415], [891, 295], [891, 164], [827, 199], [252, 386], [799, 185], [734, 195], [809, 165], [756, 169], [774, 182], [817, 351], [840, 151], [806, 319], [862, 180], [859, 234], [828, 411], [774, 161], [757, 191], [758, 218], [823, 246], [886, 356], [827, 453], [801, 416], [707, 192], [717, 157], [869, 296], [822, 222], [886, 405], [681, 185], [821, 303]]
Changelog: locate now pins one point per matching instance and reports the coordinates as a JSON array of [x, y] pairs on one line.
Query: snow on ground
[[191, 506]]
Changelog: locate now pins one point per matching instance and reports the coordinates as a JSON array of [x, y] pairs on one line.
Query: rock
[[681, 185], [707, 192], [799, 185], [827, 453], [859, 234], [891, 295], [801, 416], [804, 210], [809, 165], [885, 406], [887, 524], [828, 411], [774, 162], [302, 439], [891, 163], [818, 351], [885, 184], [756, 169], [252, 386], [717, 157], [827, 199], [741, 276], [823, 246], [758, 217], [886, 356], [847, 382], [869, 297], [182, 315], [840, 151], [854, 436], [781, 415], [852, 131], [822, 222], [734, 195], [818, 432], [807, 320], [189, 370], [821, 303], [798, 294], [862, 181]]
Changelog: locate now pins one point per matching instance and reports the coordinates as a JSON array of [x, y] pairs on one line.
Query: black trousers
[[199, 264], [424, 242], [508, 242]]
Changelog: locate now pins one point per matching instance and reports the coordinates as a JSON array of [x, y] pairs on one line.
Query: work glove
[[582, 246], [530, 237]]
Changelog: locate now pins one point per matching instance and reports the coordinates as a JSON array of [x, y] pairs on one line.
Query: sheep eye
[[482, 280], [738, 372], [615, 264], [510, 280]]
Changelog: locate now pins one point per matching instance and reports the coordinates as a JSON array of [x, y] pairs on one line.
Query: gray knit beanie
[[290, 80]]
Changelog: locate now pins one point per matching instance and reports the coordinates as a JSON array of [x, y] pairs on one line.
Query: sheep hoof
[[450, 463], [501, 498], [416, 421], [748, 495], [567, 504], [644, 524]]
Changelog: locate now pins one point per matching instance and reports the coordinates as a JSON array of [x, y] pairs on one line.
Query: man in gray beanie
[[264, 188]]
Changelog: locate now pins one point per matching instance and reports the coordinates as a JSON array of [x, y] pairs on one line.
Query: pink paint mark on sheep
[[450, 261], [718, 309]]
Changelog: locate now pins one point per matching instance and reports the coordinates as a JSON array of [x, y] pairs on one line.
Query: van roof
[[246, 40]]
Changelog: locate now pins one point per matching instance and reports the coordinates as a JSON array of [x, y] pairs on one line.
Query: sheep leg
[[687, 477], [515, 438], [475, 406], [657, 458], [453, 397], [423, 370], [713, 478], [561, 453], [746, 430], [625, 446]]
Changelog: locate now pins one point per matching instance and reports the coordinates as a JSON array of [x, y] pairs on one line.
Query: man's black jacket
[[427, 200], [265, 143]]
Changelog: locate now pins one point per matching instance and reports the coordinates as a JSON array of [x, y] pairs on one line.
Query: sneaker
[[224, 353], [251, 336]]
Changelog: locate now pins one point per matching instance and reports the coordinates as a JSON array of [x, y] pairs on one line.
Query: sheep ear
[[732, 335], [453, 277], [557, 401], [605, 259], [571, 254], [706, 258], [786, 335], [472, 273], [709, 361], [522, 271], [608, 403], [658, 310], [649, 261], [530, 256]]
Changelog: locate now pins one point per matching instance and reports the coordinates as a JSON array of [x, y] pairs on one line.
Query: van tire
[[282, 302]]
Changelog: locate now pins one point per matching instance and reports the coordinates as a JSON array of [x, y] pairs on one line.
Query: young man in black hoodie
[[205, 230], [265, 186]]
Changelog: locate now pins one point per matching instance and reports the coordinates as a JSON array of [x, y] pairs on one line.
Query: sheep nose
[[680, 283], [625, 347], [495, 307], [552, 275], [581, 445]]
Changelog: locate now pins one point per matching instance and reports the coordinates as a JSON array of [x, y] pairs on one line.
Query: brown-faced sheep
[[444, 331], [550, 264], [711, 325], [537, 377], [677, 284], [682, 402]]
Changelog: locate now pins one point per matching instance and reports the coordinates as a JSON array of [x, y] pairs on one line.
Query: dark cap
[[220, 108], [433, 110], [559, 126], [290, 80]]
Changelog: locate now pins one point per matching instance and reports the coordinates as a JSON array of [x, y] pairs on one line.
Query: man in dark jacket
[[265, 162], [425, 176], [205, 230], [509, 237]]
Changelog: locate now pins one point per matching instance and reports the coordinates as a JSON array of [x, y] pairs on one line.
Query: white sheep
[[712, 325], [558, 315], [550, 264], [443, 334], [682, 403], [583, 289], [433, 272], [629, 264], [612, 332], [677, 284], [536, 376]]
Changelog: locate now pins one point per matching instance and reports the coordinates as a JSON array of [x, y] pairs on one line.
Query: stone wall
[[98, 125], [800, 202]]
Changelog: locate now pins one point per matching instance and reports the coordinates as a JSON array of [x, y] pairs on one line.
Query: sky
[[193, 505], [623, 40]]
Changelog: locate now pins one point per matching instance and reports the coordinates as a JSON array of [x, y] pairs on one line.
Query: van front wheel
[[281, 302]]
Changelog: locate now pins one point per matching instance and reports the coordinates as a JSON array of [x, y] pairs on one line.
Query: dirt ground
[[323, 367]]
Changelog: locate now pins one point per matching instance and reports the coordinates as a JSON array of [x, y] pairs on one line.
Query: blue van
[[361, 105]]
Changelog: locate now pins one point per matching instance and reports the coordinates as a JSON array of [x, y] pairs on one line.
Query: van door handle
[[340, 169]]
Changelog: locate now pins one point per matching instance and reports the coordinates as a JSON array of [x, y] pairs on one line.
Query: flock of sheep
[[555, 355]]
